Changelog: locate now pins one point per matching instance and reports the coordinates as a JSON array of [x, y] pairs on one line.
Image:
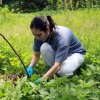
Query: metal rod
[[16, 54]]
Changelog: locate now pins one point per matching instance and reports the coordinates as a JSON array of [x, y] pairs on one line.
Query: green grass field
[[16, 28]]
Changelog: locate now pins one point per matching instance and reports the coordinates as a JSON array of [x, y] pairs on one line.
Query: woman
[[60, 49]]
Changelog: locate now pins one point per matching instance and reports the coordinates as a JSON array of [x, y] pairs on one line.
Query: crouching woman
[[59, 47]]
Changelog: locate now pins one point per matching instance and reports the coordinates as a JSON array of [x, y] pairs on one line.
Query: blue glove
[[38, 80], [30, 70]]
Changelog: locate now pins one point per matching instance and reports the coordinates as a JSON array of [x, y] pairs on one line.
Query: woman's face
[[40, 35]]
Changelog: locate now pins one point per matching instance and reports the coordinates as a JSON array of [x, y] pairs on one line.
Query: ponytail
[[51, 23]]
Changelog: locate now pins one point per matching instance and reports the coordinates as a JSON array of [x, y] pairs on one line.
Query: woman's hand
[[52, 70], [39, 80], [30, 70]]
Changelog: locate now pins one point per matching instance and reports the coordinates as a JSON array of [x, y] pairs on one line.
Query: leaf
[[32, 85]]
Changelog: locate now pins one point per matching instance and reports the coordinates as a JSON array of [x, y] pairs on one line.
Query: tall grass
[[85, 24]]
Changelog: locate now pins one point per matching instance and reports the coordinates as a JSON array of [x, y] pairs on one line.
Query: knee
[[45, 47]]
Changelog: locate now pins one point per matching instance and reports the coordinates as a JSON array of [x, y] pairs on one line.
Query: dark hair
[[41, 22]]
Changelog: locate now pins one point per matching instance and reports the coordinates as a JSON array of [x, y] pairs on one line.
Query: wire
[[16, 54]]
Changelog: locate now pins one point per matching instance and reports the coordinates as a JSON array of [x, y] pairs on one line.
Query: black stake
[[16, 54]]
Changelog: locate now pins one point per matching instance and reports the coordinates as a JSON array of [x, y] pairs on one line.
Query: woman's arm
[[35, 59], [53, 70]]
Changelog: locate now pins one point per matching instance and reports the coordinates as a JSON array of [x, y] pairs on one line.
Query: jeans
[[72, 63]]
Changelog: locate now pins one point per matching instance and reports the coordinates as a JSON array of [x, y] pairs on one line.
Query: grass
[[86, 26], [84, 23]]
